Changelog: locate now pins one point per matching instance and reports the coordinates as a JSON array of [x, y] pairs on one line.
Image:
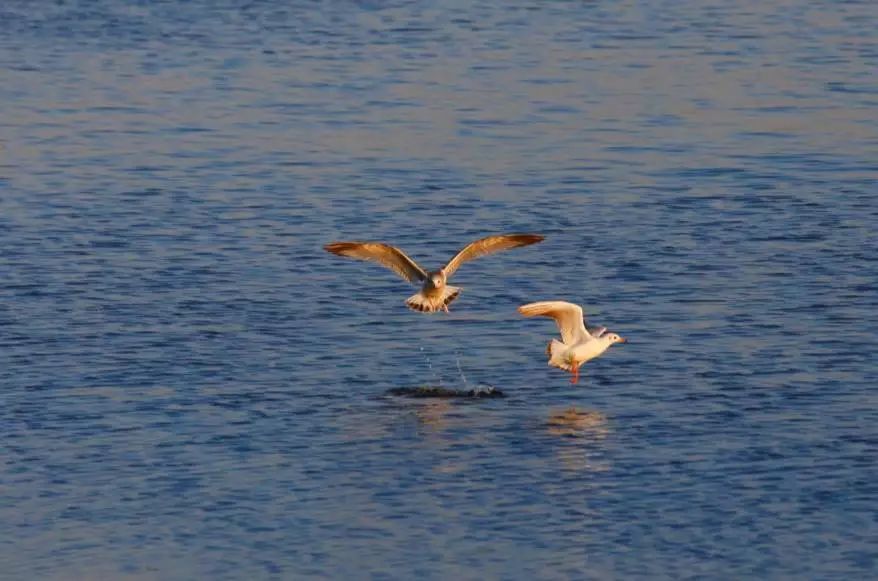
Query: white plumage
[[578, 344]]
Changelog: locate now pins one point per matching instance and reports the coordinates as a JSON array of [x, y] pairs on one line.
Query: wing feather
[[567, 315], [384, 254], [489, 245], [596, 331]]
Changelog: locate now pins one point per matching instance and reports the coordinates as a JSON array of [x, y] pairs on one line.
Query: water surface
[[190, 387]]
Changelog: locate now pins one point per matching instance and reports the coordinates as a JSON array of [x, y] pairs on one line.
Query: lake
[[191, 387]]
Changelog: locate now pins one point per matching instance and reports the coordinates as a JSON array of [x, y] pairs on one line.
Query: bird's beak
[[623, 340]]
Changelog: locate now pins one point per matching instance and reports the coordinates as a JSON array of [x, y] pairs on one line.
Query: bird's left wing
[[489, 245]]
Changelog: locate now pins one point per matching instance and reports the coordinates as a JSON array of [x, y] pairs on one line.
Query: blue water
[[190, 387]]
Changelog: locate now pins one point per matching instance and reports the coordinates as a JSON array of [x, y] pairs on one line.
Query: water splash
[[459, 369], [432, 372]]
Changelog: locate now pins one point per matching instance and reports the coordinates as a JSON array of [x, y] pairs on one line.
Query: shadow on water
[[434, 391]]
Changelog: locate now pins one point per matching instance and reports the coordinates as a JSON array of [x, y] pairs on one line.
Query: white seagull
[[578, 344], [435, 293]]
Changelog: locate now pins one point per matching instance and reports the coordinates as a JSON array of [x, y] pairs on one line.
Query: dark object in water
[[444, 392]]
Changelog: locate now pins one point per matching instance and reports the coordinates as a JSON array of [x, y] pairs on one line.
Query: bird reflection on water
[[573, 422], [433, 414], [577, 433], [581, 431]]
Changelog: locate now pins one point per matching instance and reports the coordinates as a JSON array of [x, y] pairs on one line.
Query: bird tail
[[555, 350], [430, 304]]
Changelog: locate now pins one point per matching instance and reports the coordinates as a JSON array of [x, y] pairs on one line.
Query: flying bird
[[578, 344], [435, 293]]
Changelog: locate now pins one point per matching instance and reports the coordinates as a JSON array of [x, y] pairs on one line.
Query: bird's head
[[614, 338], [437, 279]]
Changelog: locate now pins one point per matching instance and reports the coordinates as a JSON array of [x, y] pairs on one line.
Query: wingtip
[[530, 238], [339, 247], [333, 246]]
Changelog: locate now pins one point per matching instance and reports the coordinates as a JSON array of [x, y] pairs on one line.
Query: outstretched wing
[[390, 256], [567, 315], [489, 245]]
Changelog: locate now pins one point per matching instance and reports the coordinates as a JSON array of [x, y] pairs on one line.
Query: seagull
[[435, 293], [578, 344]]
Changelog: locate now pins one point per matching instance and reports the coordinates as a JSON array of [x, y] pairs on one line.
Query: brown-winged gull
[[578, 344], [435, 293]]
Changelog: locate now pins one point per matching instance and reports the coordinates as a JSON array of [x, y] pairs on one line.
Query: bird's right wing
[[596, 331], [567, 315], [489, 245], [389, 256]]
